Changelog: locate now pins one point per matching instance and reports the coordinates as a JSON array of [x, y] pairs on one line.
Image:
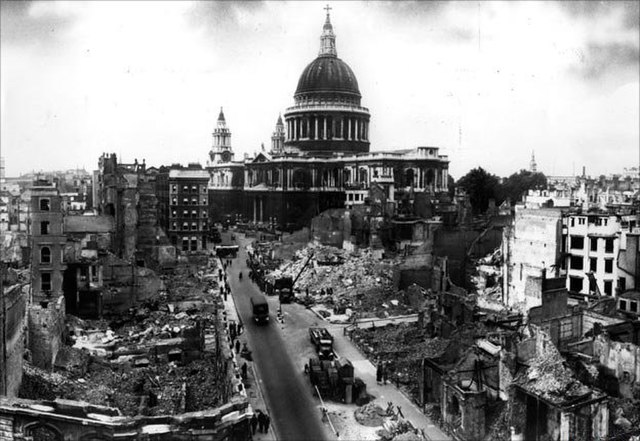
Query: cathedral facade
[[320, 155]]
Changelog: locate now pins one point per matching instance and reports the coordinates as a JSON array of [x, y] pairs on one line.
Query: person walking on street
[[267, 421], [237, 346], [260, 421], [384, 372], [254, 424], [379, 372], [244, 370]]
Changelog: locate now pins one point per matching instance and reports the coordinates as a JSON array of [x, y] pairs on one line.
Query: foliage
[[480, 186], [516, 186]]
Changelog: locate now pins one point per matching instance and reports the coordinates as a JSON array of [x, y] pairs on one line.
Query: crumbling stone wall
[[46, 326], [15, 303], [531, 245], [621, 361], [74, 420]]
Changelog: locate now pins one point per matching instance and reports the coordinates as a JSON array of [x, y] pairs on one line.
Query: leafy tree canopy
[[481, 186]]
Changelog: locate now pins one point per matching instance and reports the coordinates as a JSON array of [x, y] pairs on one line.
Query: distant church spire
[[328, 38], [533, 167], [221, 149]]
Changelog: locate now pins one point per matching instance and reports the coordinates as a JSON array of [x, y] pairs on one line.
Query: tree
[[451, 185], [516, 186], [480, 187]]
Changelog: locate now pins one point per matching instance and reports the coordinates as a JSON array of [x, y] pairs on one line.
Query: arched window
[[42, 432], [409, 177], [45, 255], [45, 204], [363, 175]]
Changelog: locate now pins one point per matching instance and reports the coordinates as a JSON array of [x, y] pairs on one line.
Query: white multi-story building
[[591, 243]]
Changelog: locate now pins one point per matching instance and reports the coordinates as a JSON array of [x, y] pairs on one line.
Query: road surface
[[294, 412]]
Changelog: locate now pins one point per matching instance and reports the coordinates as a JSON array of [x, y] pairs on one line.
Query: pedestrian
[[254, 423], [379, 373], [237, 346], [244, 370], [260, 421], [267, 421], [225, 295], [385, 372]]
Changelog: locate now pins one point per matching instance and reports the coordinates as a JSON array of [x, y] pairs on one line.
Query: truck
[[260, 309], [283, 287], [323, 342]]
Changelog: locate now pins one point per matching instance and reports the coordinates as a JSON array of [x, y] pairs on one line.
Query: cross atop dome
[[328, 38]]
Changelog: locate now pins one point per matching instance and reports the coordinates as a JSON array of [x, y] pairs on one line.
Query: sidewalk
[[367, 372], [251, 385]]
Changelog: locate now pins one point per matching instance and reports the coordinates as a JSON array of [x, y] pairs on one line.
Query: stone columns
[[324, 132], [315, 133], [349, 129], [255, 209]]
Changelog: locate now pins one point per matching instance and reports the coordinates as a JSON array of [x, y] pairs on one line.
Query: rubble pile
[[486, 278], [549, 377], [401, 430], [150, 360], [624, 415], [403, 346], [356, 280], [370, 415]]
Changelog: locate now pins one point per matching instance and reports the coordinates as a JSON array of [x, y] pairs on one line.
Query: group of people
[[384, 372], [260, 421]]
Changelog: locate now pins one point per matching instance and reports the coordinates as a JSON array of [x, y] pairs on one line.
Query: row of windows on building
[[576, 284], [190, 189], [194, 200], [600, 221], [628, 305], [189, 243], [577, 243], [192, 214], [577, 263], [186, 226]]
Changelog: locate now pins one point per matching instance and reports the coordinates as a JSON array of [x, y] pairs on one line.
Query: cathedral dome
[[328, 75]]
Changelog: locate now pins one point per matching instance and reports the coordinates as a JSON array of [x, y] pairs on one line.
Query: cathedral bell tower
[[221, 149], [277, 139]]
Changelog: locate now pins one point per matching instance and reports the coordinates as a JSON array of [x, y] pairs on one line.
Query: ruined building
[[128, 193], [47, 310]]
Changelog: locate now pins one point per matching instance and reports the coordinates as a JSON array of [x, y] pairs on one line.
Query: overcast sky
[[488, 82]]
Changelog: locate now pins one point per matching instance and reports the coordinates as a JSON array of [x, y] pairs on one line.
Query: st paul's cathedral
[[320, 156]]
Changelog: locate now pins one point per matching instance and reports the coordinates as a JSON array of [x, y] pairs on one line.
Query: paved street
[[295, 414], [287, 357]]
